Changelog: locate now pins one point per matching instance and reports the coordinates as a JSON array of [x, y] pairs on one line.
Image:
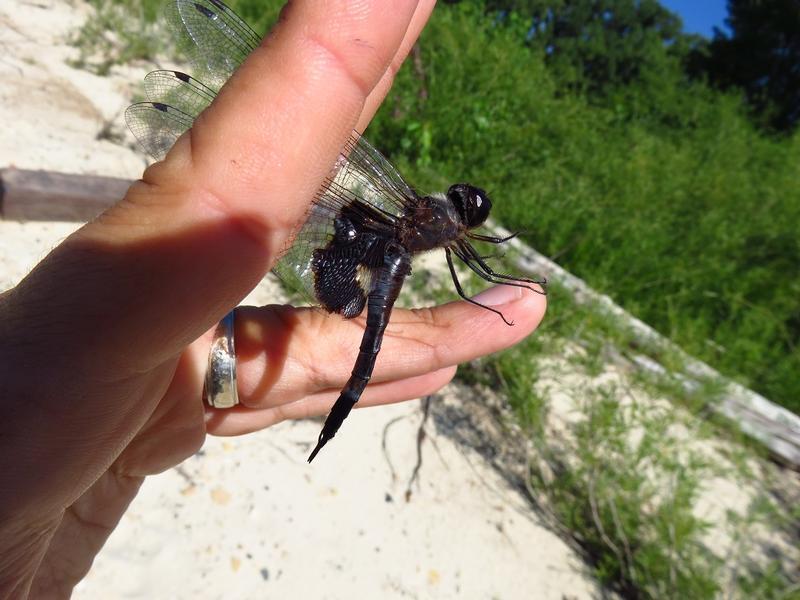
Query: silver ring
[[220, 389]]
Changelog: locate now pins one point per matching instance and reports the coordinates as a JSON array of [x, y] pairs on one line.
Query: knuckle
[[350, 69]]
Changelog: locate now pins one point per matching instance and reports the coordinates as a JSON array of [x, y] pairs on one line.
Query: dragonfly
[[355, 246]]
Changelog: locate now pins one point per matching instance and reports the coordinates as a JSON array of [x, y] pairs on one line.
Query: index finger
[[205, 225]]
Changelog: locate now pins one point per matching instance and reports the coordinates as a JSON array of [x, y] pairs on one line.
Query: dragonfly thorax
[[434, 222]]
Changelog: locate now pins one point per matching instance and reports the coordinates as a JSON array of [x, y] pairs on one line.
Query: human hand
[[103, 347]]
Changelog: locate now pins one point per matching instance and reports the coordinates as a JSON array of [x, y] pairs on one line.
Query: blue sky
[[699, 16]]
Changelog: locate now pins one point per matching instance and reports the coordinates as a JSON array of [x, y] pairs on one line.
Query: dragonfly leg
[[471, 254], [484, 272], [461, 293], [492, 239]]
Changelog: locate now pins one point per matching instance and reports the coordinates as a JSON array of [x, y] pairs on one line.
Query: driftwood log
[[47, 196]]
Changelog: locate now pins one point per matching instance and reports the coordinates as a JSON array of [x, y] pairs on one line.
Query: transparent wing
[[179, 91], [157, 126], [175, 101], [362, 180], [368, 174], [215, 39], [293, 267]]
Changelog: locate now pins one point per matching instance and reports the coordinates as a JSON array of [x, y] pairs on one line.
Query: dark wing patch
[[339, 282]]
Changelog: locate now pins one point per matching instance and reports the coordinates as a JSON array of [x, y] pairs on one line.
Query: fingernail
[[499, 294]]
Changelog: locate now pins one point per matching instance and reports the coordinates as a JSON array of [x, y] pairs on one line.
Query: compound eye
[[481, 207], [473, 203]]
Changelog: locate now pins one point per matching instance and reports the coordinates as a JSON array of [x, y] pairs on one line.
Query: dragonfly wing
[[295, 266], [157, 126], [217, 42], [178, 90], [369, 175], [362, 183], [215, 39]]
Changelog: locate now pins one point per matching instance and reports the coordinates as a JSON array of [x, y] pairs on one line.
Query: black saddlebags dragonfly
[[355, 247]]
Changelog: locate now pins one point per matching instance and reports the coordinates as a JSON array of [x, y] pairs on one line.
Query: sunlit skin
[[103, 346]]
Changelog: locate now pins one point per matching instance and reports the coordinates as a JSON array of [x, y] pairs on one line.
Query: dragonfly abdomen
[[386, 287]]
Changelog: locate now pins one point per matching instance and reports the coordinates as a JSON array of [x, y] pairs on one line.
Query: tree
[[761, 56], [599, 43]]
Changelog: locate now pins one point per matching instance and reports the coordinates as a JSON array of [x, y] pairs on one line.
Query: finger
[[191, 241], [286, 354], [241, 419]]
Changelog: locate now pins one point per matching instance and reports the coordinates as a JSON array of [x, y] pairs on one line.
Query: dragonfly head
[[472, 203]]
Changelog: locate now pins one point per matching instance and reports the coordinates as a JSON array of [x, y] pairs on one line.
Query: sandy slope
[[248, 518]]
